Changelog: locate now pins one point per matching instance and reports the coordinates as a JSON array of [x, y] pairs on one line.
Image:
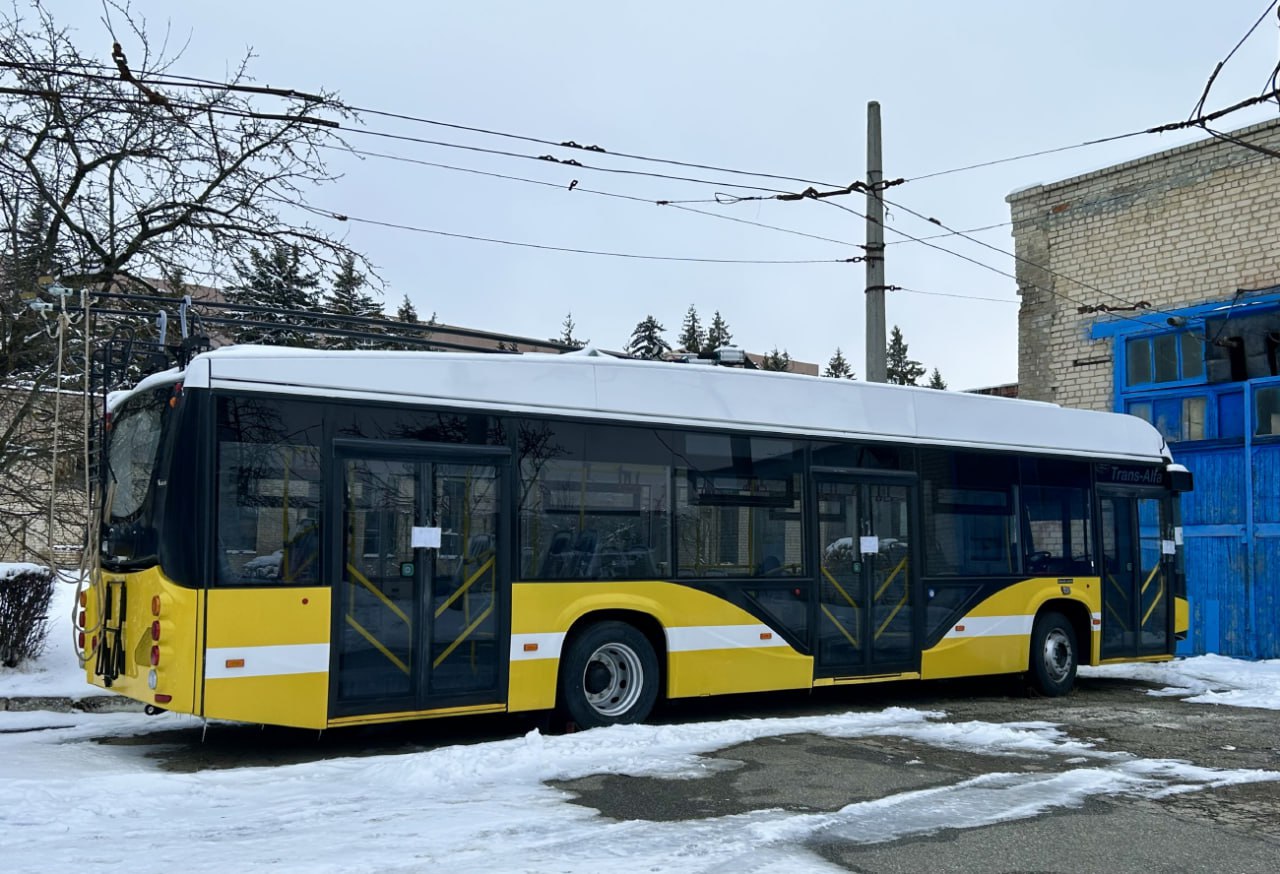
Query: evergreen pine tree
[[274, 279], [936, 380], [407, 313], [900, 369], [647, 340], [692, 337], [566, 333], [718, 334], [838, 367], [347, 298], [778, 361]]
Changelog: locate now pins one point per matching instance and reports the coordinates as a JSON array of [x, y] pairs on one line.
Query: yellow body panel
[[266, 617], [177, 674], [552, 607], [299, 700], [1181, 616], [549, 608], [1008, 653], [242, 619], [532, 684], [728, 671], [875, 678], [376, 718]]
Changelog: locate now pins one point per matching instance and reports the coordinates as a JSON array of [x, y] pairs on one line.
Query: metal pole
[[876, 368]]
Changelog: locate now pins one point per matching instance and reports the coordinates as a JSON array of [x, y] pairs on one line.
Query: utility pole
[[876, 367]]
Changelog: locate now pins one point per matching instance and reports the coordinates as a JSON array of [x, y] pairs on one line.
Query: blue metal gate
[[1228, 434]]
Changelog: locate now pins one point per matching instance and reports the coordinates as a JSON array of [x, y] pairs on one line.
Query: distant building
[[1008, 390], [1153, 288]]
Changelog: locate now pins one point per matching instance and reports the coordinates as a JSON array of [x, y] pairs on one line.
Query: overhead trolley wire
[[983, 264], [342, 217], [174, 80], [1199, 107], [1012, 255]]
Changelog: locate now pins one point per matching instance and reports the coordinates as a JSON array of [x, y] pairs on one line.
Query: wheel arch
[[1078, 617], [646, 623]]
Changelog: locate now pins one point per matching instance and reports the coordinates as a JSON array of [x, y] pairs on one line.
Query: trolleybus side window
[[969, 525], [1055, 509], [397, 423], [594, 502], [269, 510], [738, 501]]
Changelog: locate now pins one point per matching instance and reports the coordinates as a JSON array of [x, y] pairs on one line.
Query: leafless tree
[[116, 172]]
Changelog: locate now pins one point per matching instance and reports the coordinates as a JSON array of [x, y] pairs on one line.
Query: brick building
[[1153, 288]]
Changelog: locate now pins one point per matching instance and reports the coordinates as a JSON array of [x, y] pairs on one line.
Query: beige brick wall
[[1184, 226]]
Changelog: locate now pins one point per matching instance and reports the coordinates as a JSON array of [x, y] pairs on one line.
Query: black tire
[[1054, 656], [609, 675]]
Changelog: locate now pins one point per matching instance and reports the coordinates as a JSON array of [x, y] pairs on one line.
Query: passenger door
[[866, 591], [1137, 574], [420, 602]]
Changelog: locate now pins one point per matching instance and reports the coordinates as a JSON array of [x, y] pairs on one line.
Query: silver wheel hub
[[1057, 656], [613, 679]]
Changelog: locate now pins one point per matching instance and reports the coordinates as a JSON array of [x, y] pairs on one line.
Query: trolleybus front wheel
[[1054, 656], [608, 676]]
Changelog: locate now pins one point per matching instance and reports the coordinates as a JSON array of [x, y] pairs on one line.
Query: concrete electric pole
[[876, 368]]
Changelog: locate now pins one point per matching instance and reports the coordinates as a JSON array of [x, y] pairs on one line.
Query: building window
[[1164, 358], [1267, 405], [1177, 419]]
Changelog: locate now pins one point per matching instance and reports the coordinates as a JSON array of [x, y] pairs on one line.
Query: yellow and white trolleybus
[[329, 538]]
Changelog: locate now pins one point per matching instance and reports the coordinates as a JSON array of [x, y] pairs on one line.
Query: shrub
[[24, 610]]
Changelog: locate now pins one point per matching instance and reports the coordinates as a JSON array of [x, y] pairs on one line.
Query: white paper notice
[[870, 544], [1168, 547], [1177, 535], [426, 538]]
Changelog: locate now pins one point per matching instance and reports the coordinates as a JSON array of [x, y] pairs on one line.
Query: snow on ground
[[486, 807], [56, 672], [1208, 679]]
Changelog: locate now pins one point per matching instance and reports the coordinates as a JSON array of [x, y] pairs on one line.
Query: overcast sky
[[767, 87]]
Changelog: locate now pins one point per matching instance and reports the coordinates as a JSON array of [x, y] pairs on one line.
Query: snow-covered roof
[[595, 386]]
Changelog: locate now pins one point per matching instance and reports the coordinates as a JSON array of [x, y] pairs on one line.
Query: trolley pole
[[876, 367]]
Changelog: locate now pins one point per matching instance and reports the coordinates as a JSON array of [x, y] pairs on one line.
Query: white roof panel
[[650, 391]]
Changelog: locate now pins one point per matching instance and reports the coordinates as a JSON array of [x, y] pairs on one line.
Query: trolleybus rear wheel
[[608, 676]]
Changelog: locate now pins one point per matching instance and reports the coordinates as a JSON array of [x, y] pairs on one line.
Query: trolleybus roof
[[592, 385]]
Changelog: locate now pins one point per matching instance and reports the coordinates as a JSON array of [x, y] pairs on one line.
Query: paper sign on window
[[426, 538], [870, 544], [1168, 547], [1177, 535]]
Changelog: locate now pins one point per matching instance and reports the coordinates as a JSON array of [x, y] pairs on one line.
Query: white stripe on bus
[[689, 638], [693, 638], [221, 663], [544, 646], [991, 626]]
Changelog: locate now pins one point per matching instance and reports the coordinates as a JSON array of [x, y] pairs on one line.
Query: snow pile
[[1208, 679]]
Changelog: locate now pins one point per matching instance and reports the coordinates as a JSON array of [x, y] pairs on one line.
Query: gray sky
[[770, 87]]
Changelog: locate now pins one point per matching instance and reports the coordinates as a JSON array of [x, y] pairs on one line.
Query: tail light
[[84, 599], [155, 630], [155, 605], [80, 619], [155, 656], [161, 698], [80, 641]]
